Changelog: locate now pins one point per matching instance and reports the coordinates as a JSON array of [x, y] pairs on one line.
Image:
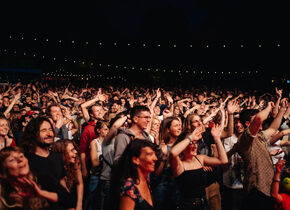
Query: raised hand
[[216, 130], [279, 165], [196, 134], [278, 92], [232, 106]]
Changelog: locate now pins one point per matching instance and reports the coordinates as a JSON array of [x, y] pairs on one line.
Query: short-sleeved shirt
[[259, 168], [129, 189]]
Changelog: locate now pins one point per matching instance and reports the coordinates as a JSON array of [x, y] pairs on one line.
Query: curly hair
[[70, 169], [30, 137]]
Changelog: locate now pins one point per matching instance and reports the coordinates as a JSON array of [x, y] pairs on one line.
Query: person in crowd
[[131, 187], [258, 165], [54, 112], [164, 190], [46, 165], [232, 191], [18, 185], [140, 116], [96, 113], [101, 130], [281, 196], [5, 140], [73, 177], [108, 150], [187, 166]]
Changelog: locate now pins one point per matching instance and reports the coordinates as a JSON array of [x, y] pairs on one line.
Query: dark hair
[[246, 115], [136, 110], [125, 168], [48, 109], [99, 125], [30, 136]]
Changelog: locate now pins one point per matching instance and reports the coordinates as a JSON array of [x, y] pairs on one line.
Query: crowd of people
[[105, 148]]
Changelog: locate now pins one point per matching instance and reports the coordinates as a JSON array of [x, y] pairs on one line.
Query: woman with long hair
[[188, 169], [18, 186], [165, 192], [73, 181], [130, 184]]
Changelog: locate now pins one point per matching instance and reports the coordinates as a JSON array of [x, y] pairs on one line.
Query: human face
[[191, 149], [16, 165], [155, 125], [175, 128], [97, 112], [55, 113], [196, 122], [146, 160], [6, 101], [4, 127], [176, 111], [239, 126], [143, 119], [28, 100], [157, 110], [46, 133], [103, 131], [71, 153]]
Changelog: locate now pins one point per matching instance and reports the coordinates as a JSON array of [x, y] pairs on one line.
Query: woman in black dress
[[188, 170]]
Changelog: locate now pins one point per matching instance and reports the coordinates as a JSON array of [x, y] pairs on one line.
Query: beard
[[44, 144]]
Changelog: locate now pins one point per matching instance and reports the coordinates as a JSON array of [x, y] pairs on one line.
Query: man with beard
[[46, 165]]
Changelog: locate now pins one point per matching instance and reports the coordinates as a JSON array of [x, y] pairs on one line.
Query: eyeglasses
[[146, 117]]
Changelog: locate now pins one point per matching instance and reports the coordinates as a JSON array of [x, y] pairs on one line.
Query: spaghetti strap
[[198, 161]]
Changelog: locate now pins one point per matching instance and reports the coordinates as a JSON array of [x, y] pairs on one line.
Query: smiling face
[[4, 127], [143, 119], [46, 133], [71, 153], [146, 160], [55, 113], [16, 165]]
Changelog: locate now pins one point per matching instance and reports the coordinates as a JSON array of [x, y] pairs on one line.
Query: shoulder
[[129, 189]]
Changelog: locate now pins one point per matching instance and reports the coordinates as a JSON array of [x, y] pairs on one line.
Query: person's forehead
[[145, 113]]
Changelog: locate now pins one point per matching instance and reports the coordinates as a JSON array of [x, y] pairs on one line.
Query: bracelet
[[190, 140], [276, 180]]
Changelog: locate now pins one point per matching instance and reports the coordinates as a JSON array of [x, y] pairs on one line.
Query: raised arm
[[175, 160], [276, 122], [221, 158], [279, 135], [113, 130], [275, 187], [256, 123], [16, 98]]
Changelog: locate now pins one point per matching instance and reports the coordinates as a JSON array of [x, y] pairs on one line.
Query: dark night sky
[[165, 22]]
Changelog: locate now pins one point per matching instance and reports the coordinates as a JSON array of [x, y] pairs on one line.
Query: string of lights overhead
[[93, 66], [141, 44]]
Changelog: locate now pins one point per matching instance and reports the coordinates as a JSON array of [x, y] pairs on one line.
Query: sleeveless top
[[99, 143], [192, 183]]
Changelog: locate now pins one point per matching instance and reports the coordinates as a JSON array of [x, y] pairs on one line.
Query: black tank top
[[192, 183]]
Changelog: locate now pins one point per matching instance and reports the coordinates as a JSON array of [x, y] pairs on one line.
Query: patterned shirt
[[259, 168]]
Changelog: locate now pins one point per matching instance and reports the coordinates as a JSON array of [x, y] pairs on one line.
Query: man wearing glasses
[[140, 116]]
